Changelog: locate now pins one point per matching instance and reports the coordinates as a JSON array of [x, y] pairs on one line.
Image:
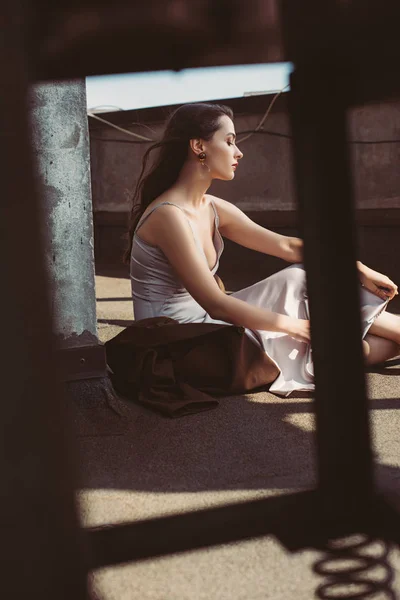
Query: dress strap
[[215, 213]]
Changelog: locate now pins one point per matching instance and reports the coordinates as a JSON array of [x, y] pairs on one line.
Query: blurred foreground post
[[42, 545], [325, 196]]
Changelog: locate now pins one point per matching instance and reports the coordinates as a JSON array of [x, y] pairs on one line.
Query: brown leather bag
[[177, 368]]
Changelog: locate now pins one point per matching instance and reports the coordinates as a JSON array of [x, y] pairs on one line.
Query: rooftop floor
[[251, 446]]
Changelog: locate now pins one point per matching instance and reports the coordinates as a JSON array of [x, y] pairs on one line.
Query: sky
[[162, 88]]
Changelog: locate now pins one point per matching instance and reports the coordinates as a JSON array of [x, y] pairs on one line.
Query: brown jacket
[[176, 368]]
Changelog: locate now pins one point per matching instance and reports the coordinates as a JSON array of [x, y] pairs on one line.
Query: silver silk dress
[[156, 291]]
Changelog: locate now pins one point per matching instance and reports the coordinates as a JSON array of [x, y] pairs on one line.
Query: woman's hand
[[378, 284], [299, 329]]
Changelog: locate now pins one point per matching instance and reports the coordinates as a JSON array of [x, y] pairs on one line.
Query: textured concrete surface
[[251, 446], [61, 146]]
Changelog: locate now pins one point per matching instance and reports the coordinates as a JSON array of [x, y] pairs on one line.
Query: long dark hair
[[190, 121]]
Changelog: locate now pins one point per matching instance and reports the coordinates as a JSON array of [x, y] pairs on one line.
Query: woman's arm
[[293, 248], [238, 227], [375, 282], [175, 239], [238, 312]]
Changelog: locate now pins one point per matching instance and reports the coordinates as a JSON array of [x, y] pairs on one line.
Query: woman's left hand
[[378, 284]]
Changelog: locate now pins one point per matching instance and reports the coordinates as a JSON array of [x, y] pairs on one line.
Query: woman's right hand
[[299, 329]]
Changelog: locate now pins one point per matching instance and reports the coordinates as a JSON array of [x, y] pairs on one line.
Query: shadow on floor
[[248, 442], [245, 443]]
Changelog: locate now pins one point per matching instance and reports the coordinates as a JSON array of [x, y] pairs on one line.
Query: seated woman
[[176, 240]]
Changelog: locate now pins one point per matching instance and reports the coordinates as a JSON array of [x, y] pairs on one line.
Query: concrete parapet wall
[[264, 181]]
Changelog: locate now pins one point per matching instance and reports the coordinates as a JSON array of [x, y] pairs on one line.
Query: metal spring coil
[[347, 564]]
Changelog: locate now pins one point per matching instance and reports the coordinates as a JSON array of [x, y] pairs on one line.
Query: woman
[[176, 241]]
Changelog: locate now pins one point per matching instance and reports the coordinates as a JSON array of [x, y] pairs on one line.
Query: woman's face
[[222, 154]]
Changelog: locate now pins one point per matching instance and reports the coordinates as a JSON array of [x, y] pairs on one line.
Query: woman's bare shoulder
[[165, 214], [217, 201], [226, 210], [220, 203]]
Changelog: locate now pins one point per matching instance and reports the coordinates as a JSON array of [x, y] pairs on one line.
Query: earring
[[202, 157]]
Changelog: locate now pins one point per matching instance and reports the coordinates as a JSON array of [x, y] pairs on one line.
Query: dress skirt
[[285, 293]]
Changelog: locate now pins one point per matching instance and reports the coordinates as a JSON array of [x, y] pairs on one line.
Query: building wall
[[376, 165], [264, 180]]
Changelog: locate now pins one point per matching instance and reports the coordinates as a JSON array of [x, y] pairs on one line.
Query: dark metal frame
[[345, 500]]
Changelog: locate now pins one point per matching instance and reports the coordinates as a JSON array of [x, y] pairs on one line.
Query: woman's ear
[[196, 145]]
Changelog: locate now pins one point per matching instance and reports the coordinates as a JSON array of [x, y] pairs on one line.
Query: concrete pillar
[[61, 144]]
